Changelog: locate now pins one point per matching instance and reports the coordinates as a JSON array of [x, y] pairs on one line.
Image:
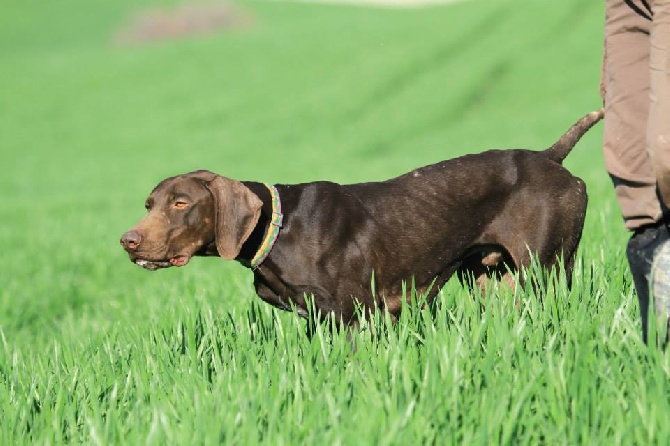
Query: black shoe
[[640, 251], [659, 282]]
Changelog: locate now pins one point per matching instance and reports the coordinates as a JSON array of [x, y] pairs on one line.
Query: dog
[[343, 247]]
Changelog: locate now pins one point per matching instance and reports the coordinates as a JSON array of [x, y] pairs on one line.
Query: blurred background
[[100, 100]]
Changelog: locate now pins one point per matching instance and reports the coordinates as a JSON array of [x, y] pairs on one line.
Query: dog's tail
[[564, 145]]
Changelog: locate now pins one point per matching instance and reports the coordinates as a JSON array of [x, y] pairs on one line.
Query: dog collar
[[273, 229]]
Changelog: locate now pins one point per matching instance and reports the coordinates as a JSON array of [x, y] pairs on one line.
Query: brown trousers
[[636, 90]]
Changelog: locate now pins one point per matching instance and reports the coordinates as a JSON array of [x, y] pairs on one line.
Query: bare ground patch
[[182, 21]]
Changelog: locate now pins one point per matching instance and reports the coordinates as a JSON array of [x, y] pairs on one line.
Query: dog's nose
[[131, 240]]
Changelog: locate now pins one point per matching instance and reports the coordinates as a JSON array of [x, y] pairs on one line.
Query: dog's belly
[[414, 287]]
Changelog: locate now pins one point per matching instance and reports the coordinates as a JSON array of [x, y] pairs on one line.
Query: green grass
[[95, 350]]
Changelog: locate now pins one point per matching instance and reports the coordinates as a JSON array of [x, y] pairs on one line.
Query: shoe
[[659, 282], [640, 251]]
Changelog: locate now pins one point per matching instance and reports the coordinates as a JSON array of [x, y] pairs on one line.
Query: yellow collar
[[273, 229]]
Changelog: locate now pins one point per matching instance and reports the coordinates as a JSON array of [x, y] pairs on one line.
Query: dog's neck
[[254, 243]]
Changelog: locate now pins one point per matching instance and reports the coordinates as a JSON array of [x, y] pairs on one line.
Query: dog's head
[[189, 215]]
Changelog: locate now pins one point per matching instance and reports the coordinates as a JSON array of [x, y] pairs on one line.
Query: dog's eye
[[147, 206], [180, 204]]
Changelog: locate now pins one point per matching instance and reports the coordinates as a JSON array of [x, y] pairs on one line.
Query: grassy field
[[95, 350]]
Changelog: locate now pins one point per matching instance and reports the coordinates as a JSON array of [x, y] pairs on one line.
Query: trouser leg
[[658, 130], [626, 81], [658, 144]]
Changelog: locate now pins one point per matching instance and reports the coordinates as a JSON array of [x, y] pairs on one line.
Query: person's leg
[[626, 84], [658, 144], [658, 130]]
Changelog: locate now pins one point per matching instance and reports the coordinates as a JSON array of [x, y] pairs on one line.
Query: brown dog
[[480, 216]]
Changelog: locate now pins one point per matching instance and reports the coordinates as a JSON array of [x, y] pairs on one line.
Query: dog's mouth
[[153, 265]]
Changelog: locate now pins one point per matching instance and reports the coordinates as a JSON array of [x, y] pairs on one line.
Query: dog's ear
[[237, 212]]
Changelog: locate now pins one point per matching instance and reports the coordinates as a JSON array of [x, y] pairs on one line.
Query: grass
[[95, 350]]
